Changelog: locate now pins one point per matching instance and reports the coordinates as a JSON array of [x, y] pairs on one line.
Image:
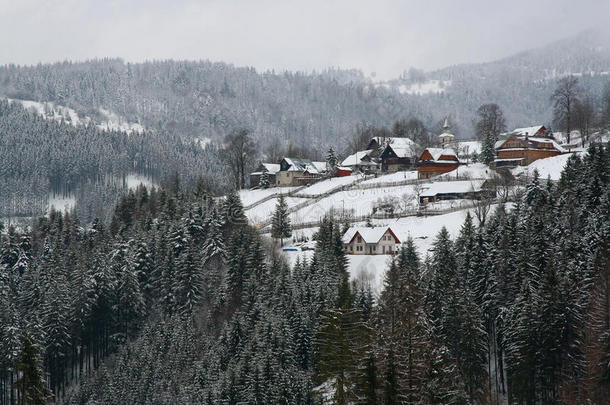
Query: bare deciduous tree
[[584, 116], [491, 122], [564, 99], [238, 153]]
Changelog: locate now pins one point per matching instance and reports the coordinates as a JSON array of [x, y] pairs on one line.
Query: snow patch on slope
[[427, 87], [51, 111]]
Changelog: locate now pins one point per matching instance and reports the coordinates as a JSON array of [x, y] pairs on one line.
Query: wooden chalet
[[398, 154], [435, 161], [298, 172], [370, 241], [520, 148]]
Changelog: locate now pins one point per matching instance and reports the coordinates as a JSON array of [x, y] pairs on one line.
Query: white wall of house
[[387, 245]]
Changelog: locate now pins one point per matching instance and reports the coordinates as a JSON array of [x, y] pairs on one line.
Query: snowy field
[[61, 203], [323, 186], [132, 181], [264, 211], [371, 268], [249, 197], [394, 177], [357, 202], [549, 167]]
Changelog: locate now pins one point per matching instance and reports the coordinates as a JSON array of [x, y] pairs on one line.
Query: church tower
[[446, 137]]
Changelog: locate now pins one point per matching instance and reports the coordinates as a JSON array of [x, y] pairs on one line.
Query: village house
[[398, 154], [524, 146], [456, 190], [361, 161], [270, 168], [298, 172], [435, 161], [370, 241]]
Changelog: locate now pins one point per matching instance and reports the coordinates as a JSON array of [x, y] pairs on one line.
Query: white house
[[370, 241]]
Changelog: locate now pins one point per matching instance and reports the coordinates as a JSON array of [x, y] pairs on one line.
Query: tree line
[[199, 308]]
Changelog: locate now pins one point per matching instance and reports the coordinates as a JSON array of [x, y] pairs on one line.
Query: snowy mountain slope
[[108, 121]]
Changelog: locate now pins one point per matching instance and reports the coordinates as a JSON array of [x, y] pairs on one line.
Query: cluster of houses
[[383, 154], [521, 146]]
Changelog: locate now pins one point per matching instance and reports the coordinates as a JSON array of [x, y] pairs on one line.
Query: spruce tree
[[263, 182], [280, 223], [31, 384], [488, 151]]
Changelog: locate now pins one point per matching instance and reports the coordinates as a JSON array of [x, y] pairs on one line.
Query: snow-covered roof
[[471, 171], [402, 152], [272, 167], [446, 135], [301, 165], [443, 187], [438, 152], [533, 143], [528, 130], [369, 235], [319, 166], [397, 143], [356, 158]]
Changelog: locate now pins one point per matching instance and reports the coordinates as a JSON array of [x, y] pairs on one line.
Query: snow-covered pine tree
[[280, 223], [331, 160], [263, 182], [488, 151]]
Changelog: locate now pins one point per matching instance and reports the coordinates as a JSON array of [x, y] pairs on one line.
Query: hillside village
[[394, 189]]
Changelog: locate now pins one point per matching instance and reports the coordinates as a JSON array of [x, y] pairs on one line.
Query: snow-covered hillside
[[427, 87], [547, 168], [109, 121]]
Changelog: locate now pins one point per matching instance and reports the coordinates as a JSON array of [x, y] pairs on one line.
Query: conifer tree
[[488, 151], [264, 179], [31, 384], [280, 223]]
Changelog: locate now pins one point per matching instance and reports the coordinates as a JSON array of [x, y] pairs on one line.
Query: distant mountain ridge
[[207, 100]]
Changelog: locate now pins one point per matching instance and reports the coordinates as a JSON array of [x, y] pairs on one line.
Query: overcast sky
[[385, 37]]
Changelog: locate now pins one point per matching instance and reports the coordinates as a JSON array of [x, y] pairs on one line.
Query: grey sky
[[380, 36]]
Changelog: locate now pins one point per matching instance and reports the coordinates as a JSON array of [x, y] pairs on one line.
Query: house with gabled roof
[[270, 168], [361, 161], [524, 146], [435, 161], [297, 172], [370, 241], [396, 153]]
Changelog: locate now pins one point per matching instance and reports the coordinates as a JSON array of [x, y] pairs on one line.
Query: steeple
[[446, 137], [446, 126]]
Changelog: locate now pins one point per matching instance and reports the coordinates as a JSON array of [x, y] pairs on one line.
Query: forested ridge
[[186, 104], [178, 300], [44, 157]]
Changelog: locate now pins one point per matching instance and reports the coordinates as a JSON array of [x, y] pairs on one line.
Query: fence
[[420, 211]]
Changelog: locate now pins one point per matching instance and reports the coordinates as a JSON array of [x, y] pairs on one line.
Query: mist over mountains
[[207, 100]]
